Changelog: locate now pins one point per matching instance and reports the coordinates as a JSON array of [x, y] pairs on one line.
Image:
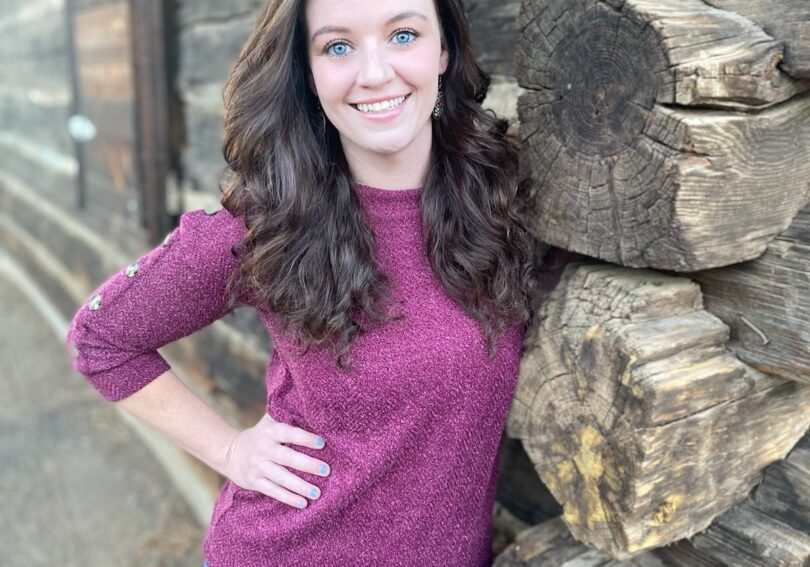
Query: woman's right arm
[[170, 407], [172, 291]]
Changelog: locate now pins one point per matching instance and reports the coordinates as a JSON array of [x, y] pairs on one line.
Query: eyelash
[[329, 45]]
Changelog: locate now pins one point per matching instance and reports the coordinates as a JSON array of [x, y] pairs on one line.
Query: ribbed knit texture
[[412, 433]]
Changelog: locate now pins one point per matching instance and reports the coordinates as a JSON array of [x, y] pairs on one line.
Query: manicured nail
[[323, 469], [313, 493], [319, 441], [301, 503]]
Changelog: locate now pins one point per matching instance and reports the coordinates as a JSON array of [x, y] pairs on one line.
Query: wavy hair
[[308, 254]]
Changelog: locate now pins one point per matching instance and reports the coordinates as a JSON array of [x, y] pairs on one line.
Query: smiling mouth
[[381, 107]]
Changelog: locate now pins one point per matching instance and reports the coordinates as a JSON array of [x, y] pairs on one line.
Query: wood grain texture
[[639, 421], [787, 21], [658, 133], [765, 303], [742, 537], [784, 492]]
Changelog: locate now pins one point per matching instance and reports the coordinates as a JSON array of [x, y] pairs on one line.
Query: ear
[[444, 60]]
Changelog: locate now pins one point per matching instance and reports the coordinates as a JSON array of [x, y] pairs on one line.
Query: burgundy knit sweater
[[412, 433]]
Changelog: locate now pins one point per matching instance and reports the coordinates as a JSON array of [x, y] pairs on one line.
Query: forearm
[[169, 406]]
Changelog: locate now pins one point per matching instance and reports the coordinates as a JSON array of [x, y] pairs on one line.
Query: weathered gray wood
[[549, 544], [784, 492], [627, 162], [494, 33], [745, 537], [742, 537], [637, 418], [787, 20], [683, 52], [766, 303]]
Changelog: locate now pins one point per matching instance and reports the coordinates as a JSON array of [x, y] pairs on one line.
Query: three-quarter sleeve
[[175, 289]]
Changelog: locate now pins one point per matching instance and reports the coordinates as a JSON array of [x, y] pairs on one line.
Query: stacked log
[[766, 303], [638, 420], [767, 529], [661, 133], [669, 135]]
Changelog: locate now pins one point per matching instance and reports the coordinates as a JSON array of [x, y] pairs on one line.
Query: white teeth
[[381, 106]]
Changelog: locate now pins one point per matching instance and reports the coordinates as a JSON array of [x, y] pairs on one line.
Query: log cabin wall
[[668, 134]]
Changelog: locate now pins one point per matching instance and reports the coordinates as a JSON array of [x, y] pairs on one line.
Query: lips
[[369, 104]]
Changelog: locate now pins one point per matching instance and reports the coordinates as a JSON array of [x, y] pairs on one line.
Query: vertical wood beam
[[152, 112]]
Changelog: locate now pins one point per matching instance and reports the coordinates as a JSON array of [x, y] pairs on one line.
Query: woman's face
[[363, 53]]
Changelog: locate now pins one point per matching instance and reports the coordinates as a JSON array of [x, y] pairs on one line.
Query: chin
[[385, 147]]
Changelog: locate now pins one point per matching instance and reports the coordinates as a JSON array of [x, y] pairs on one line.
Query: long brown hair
[[308, 255]]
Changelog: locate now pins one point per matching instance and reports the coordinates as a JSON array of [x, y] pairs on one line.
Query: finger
[[284, 478], [289, 457], [273, 490], [286, 433]]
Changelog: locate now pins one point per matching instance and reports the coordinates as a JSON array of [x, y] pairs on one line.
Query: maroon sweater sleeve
[[175, 289]]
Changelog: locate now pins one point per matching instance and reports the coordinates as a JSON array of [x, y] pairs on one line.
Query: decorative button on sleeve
[[95, 303], [213, 209], [173, 290]]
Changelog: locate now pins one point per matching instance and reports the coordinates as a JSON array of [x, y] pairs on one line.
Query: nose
[[375, 68]]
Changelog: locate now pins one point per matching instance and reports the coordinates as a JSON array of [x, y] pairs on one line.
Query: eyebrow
[[388, 22]]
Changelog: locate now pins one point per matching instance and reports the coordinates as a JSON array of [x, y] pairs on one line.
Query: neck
[[403, 169]]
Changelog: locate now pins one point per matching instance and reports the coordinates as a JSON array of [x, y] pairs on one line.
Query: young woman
[[374, 221]]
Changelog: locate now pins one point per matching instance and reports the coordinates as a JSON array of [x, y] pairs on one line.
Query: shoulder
[[211, 228]]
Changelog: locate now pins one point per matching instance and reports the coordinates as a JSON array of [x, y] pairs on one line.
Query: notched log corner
[[638, 420]]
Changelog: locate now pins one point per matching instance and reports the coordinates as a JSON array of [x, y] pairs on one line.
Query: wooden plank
[[787, 21], [764, 302], [748, 538], [151, 84], [784, 492]]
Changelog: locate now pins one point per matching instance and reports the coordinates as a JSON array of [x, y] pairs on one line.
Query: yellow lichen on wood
[[565, 472], [594, 332], [627, 375], [663, 514], [588, 461], [571, 514], [612, 476]]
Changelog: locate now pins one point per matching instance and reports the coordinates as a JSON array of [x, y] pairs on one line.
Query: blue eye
[[406, 34], [337, 53]]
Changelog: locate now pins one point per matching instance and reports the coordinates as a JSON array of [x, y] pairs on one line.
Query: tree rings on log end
[[633, 137]]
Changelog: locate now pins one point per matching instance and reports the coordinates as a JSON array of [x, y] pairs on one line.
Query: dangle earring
[[437, 108]]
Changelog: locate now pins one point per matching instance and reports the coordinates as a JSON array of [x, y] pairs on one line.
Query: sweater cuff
[[120, 382]]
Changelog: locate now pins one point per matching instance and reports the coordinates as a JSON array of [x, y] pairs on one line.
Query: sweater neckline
[[383, 196]]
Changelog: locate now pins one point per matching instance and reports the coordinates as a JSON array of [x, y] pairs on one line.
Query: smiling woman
[[374, 220]]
